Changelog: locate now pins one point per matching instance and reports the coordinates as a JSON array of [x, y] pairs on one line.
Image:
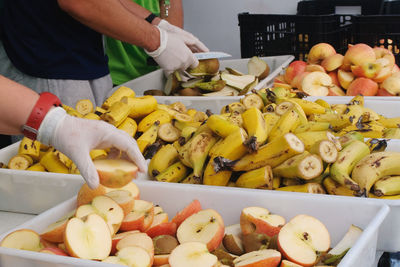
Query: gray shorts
[[69, 91]]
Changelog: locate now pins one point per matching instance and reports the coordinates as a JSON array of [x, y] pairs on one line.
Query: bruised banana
[[374, 167], [306, 166], [165, 157], [334, 188], [174, 173], [221, 126], [312, 126], [191, 179], [129, 126], [211, 177], [121, 92], [349, 137], [140, 106], [254, 124], [376, 145], [148, 137], [313, 188], [30, 148], [231, 147], [20, 162], [387, 186], [168, 133], [326, 150], [159, 115], [232, 107], [116, 114], [258, 178], [347, 160], [198, 150], [285, 124]]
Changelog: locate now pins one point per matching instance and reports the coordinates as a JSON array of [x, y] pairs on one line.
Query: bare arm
[[175, 12], [16, 104]]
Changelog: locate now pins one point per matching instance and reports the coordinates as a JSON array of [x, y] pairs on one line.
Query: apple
[[137, 239], [316, 84], [88, 238], [115, 173], [188, 211], [117, 238], [258, 67], [206, 226], [25, 239], [260, 220], [314, 67], [345, 78], [358, 55], [367, 70], [395, 69], [363, 86], [192, 254], [263, 257], [164, 244], [385, 73], [106, 208], [302, 239], [282, 85], [286, 263], [383, 92], [319, 52], [295, 68], [280, 79], [381, 52], [47, 244], [205, 67], [160, 260], [140, 218], [131, 256], [123, 198], [85, 194], [165, 228], [334, 77], [392, 85], [232, 240], [55, 231], [335, 90], [54, 251], [332, 62], [62, 247], [297, 80]]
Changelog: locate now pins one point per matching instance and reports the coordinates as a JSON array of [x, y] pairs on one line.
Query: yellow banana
[[20, 162], [178, 106], [291, 181], [394, 197], [211, 177], [97, 154], [334, 188], [30, 148], [140, 106], [221, 126], [258, 178], [376, 145], [52, 163], [200, 116], [148, 137], [187, 132], [370, 130], [390, 122], [231, 147], [323, 103], [63, 158], [121, 92], [37, 167], [349, 137], [326, 150], [254, 124], [306, 166], [391, 133], [313, 188], [181, 125], [270, 120], [339, 108], [165, 157], [353, 114], [232, 107], [252, 101], [369, 115], [159, 115], [116, 114], [129, 125], [269, 108], [312, 126], [191, 179], [166, 108], [308, 107], [99, 111], [310, 138], [92, 116], [84, 106], [336, 121], [286, 123], [174, 173], [387, 186], [74, 113], [168, 133], [276, 182], [286, 105]]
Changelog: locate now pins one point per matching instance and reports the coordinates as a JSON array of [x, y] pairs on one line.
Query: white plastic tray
[[336, 214], [156, 79]]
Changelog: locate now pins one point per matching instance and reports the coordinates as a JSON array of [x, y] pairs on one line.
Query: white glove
[[189, 39], [76, 137], [173, 54]]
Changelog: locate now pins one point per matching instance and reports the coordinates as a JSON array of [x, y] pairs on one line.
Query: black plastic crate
[[270, 35], [323, 7], [380, 30]]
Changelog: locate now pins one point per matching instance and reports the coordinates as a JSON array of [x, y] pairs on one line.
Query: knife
[[215, 54]]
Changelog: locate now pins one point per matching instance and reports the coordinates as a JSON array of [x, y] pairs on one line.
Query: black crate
[[381, 30], [323, 7], [270, 35]]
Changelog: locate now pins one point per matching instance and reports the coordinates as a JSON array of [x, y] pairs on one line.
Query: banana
[[339, 108], [140, 106], [97, 154], [273, 153], [182, 117], [306, 166], [200, 116], [116, 114], [347, 160], [20, 162], [254, 124], [394, 197], [232, 107], [310, 138], [92, 116], [159, 115], [168, 132], [148, 137], [391, 133], [99, 111], [369, 115], [192, 112], [74, 113], [287, 105], [84, 106], [387, 186], [326, 150], [231, 147], [165, 157], [74, 169], [308, 107], [276, 182], [181, 125], [269, 108], [334, 188], [178, 106], [30, 148], [323, 103], [37, 167], [252, 101], [211, 177], [171, 112], [291, 181], [337, 121], [63, 158], [270, 120], [353, 114], [283, 107], [349, 137], [313, 188], [375, 166], [129, 125], [174, 173], [191, 179], [390, 122], [286, 123], [258, 178], [376, 145], [357, 100], [370, 130], [121, 92], [312, 126], [67, 108], [52, 163], [188, 132], [221, 126]]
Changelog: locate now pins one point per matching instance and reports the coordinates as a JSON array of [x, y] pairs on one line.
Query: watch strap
[[150, 18]]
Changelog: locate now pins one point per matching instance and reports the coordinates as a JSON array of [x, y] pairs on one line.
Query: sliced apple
[[260, 220], [315, 67], [115, 173], [345, 78], [392, 85], [255, 241], [123, 198], [192, 254], [295, 68], [358, 55], [118, 237], [164, 244], [264, 257], [54, 251], [302, 239], [238, 82], [286, 263], [206, 226], [319, 52], [258, 67], [55, 231], [332, 62], [189, 210], [131, 256], [160, 260], [316, 84], [140, 218], [383, 74], [88, 238], [165, 228], [25, 239], [232, 240], [367, 70], [107, 208], [335, 90], [137, 239]]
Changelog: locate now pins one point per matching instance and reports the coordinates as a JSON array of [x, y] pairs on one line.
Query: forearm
[[114, 19], [16, 104], [175, 12]]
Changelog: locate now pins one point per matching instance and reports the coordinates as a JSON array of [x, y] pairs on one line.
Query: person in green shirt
[[127, 62]]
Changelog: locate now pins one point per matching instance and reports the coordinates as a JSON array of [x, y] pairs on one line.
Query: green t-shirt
[[126, 61]]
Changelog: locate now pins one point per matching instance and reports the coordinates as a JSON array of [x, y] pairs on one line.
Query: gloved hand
[[189, 39], [173, 54], [76, 137]]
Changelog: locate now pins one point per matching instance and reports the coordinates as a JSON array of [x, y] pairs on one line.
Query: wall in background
[[215, 22]]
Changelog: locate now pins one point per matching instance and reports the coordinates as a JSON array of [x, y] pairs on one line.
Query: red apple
[[189, 210], [263, 257], [25, 239], [363, 86], [54, 251], [115, 173], [295, 68], [367, 70], [140, 218], [334, 77], [260, 220], [358, 55], [319, 52], [383, 92], [332, 62]]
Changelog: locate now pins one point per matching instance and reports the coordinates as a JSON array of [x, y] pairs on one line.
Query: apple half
[[192, 254], [189, 210], [140, 218], [54, 251], [263, 257], [260, 220], [123, 198], [137, 239], [25, 239], [55, 232], [131, 256], [115, 173]]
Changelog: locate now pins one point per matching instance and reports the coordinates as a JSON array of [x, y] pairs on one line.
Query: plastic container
[[268, 35], [156, 79], [336, 214], [320, 7]]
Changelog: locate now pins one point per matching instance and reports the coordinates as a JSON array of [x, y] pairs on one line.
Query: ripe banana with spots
[[165, 157]]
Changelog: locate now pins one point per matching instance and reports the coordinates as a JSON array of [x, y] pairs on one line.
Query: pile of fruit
[[361, 70], [113, 225]]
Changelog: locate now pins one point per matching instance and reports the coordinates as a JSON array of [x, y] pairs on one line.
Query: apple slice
[[260, 220], [117, 238], [131, 256], [88, 238], [54, 251], [286, 263], [302, 239], [107, 208], [137, 239], [206, 226], [140, 218], [315, 67], [25, 239], [160, 260], [316, 84], [258, 67], [332, 62], [115, 173], [264, 257], [164, 244], [192, 254], [188, 211], [345, 78], [232, 240], [55, 231], [123, 198], [166, 228]]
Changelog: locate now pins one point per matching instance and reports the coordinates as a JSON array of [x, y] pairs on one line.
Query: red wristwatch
[[45, 102]]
